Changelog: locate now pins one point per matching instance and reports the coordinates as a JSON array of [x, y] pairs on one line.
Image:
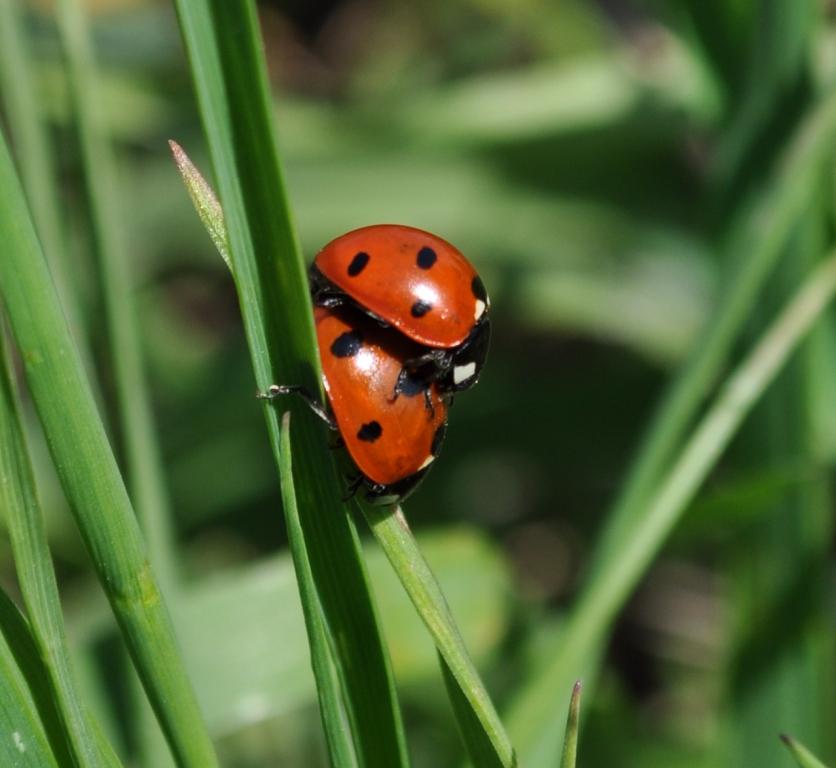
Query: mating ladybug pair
[[402, 324]]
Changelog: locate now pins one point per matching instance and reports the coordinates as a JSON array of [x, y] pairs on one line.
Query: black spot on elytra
[[347, 344], [370, 431], [358, 264], [426, 257], [438, 439], [411, 383], [478, 288], [420, 308]]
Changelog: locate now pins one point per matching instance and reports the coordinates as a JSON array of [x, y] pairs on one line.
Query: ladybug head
[[469, 358]]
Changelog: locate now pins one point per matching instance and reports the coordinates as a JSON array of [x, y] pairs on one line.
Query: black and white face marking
[[370, 431], [420, 308], [347, 344], [463, 372], [358, 264], [481, 295], [426, 257], [470, 357]]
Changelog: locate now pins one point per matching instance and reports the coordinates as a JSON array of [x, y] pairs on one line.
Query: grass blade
[[753, 246], [36, 577], [337, 733], [802, 755], [479, 748], [570, 739], [31, 728], [395, 538], [612, 584], [143, 463], [29, 135], [89, 475], [224, 49], [140, 451]]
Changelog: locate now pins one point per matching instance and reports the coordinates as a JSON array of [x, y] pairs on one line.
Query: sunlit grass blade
[[611, 585], [224, 49], [89, 475], [337, 731], [29, 722], [802, 755], [570, 738], [756, 240], [395, 538], [36, 577]]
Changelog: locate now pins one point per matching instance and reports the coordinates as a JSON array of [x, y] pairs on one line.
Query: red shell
[[411, 279], [361, 362]]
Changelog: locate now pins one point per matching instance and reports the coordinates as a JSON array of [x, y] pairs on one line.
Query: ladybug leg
[[353, 486], [428, 403], [329, 300], [410, 384], [276, 390]]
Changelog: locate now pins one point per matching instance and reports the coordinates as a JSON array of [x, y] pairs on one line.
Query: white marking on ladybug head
[[429, 460], [463, 372], [480, 309]]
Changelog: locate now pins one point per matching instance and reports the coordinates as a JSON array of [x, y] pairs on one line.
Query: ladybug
[[391, 440], [417, 283]]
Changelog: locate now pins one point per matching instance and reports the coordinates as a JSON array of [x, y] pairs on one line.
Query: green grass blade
[[479, 748], [89, 475], [30, 726], [224, 50], [29, 135], [802, 755], [337, 732], [143, 463], [395, 538], [570, 739], [780, 660], [611, 585], [36, 577], [753, 246], [139, 448]]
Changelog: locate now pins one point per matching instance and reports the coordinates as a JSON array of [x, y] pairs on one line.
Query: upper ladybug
[[418, 283]]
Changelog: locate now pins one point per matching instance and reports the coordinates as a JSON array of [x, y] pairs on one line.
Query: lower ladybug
[[417, 283], [391, 439]]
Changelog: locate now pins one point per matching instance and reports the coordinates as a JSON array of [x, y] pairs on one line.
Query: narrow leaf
[[612, 584], [479, 747], [225, 51], [89, 475], [337, 731], [36, 577], [394, 536], [30, 727], [570, 740], [802, 755]]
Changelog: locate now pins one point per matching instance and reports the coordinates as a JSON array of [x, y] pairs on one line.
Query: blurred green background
[[587, 156]]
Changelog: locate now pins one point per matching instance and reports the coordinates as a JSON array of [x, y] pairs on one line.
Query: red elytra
[[411, 279], [392, 440]]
